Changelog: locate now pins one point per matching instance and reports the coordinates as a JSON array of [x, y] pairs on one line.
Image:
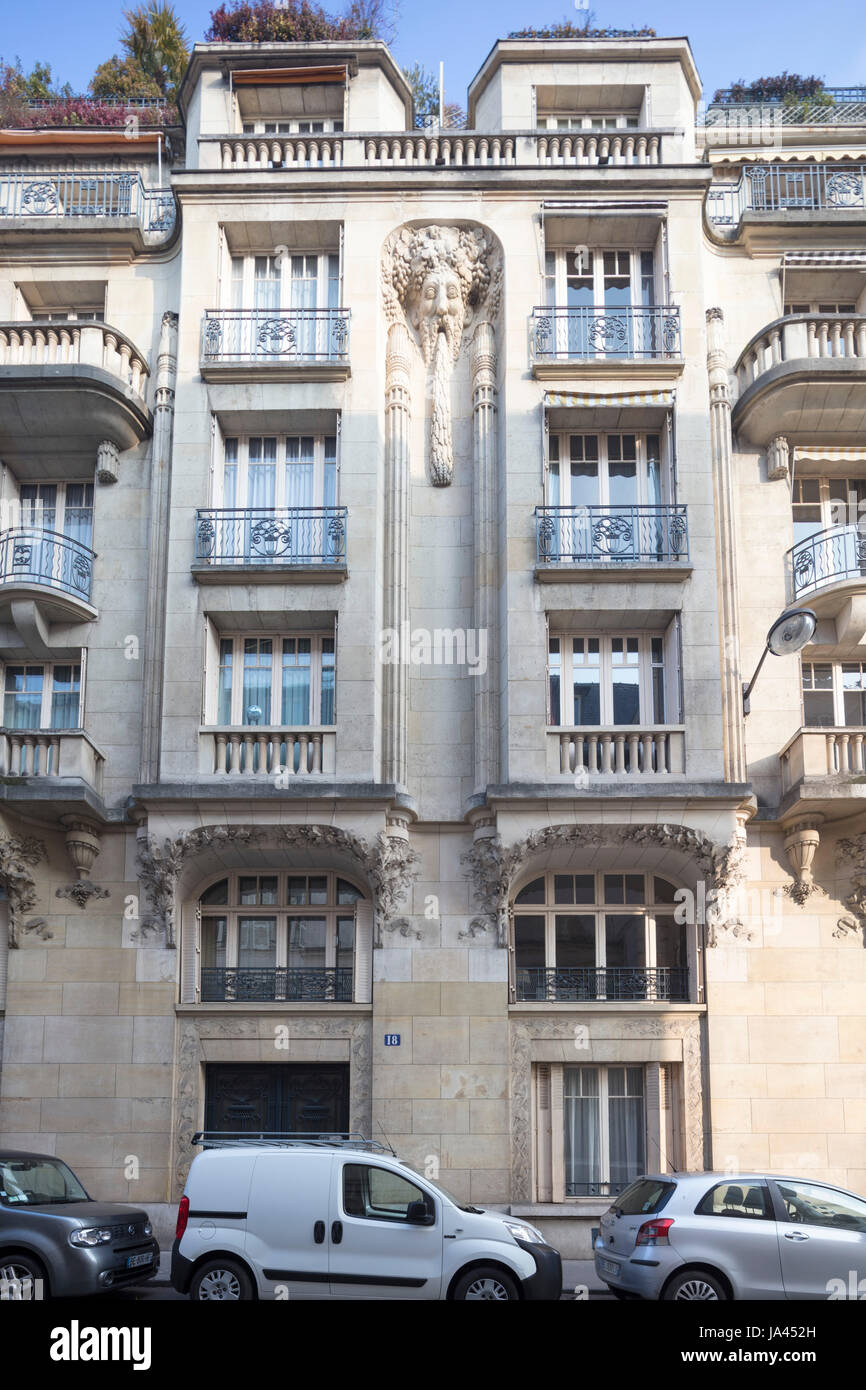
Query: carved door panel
[[279, 1098]]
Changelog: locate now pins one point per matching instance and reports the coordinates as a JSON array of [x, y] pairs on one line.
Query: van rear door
[[288, 1223], [377, 1251]]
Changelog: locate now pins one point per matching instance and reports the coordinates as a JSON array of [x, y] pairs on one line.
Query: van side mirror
[[420, 1214]]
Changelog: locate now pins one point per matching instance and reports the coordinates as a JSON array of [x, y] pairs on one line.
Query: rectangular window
[[276, 472], [834, 694], [605, 1129], [42, 697], [605, 277], [282, 682], [613, 680]]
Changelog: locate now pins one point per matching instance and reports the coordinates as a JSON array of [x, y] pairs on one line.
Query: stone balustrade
[[823, 753], [267, 751], [802, 336], [44, 753], [611, 751], [74, 343]]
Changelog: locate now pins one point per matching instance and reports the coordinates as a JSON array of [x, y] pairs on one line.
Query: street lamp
[[789, 634]]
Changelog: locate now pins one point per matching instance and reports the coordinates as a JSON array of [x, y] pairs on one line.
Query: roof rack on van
[[227, 1139]]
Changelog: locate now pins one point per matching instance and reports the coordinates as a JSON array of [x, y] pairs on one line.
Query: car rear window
[[743, 1199], [644, 1197]]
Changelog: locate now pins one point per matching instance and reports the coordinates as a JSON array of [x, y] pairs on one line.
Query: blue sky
[[738, 38]]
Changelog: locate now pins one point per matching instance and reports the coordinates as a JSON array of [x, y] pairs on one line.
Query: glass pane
[[22, 705], [65, 697], [818, 710], [306, 943], [318, 889], [582, 1123], [347, 892], [529, 941], [813, 1205], [329, 677], [224, 691], [248, 891], [587, 681], [663, 891], [575, 941], [296, 673], [626, 680], [213, 943], [258, 672], [624, 941], [297, 891], [627, 1132], [670, 942], [532, 893], [257, 942], [345, 942], [217, 893]]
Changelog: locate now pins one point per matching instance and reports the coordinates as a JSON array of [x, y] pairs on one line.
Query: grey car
[[711, 1236], [55, 1240]]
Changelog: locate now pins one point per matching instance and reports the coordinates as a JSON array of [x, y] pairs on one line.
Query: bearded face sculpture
[[439, 279]]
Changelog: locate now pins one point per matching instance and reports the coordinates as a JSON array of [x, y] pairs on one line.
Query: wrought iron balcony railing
[[85, 194], [612, 535], [846, 106], [275, 336], [47, 558], [540, 984], [596, 331], [828, 557], [777, 188], [282, 536], [293, 984]]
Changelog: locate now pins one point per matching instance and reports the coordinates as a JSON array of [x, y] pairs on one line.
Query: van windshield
[[437, 1187], [43, 1182]]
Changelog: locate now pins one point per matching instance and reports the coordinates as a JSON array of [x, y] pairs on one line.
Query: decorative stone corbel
[[19, 855], [392, 867], [82, 846], [778, 465], [107, 462], [801, 845]]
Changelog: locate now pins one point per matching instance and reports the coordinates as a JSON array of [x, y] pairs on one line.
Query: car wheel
[[221, 1281], [486, 1283], [696, 1286], [18, 1277]]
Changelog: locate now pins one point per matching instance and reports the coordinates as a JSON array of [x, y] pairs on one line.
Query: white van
[[303, 1218]]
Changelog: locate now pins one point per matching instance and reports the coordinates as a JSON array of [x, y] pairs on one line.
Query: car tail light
[[654, 1232], [182, 1217]]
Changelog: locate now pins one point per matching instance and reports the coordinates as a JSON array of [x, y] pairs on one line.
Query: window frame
[[241, 463], [367, 1169], [282, 912], [855, 510], [559, 443], [647, 665], [836, 665], [292, 125], [649, 908], [556, 279], [48, 669], [603, 1099], [241, 280], [278, 640]]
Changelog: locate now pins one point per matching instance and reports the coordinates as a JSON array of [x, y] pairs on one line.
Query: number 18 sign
[[392, 1039]]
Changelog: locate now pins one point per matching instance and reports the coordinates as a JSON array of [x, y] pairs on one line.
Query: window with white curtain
[[604, 1122], [278, 681], [42, 696], [276, 471]]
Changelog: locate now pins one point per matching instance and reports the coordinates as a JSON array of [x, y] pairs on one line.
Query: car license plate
[[608, 1267], [135, 1260]]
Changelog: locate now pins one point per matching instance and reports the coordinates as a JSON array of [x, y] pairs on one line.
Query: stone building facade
[[392, 518]]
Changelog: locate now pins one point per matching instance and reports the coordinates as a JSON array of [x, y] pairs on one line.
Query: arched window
[[282, 936], [599, 936]]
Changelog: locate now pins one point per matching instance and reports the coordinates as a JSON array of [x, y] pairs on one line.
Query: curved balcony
[[64, 389], [52, 569], [795, 378], [826, 559], [272, 544], [602, 339], [279, 344]]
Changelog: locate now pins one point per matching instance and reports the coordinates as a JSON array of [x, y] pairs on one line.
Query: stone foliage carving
[[853, 851], [492, 868], [18, 857], [81, 892], [390, 865], [440, 279]]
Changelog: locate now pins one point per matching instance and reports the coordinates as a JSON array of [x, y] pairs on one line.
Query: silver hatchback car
[[709, 1236]]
